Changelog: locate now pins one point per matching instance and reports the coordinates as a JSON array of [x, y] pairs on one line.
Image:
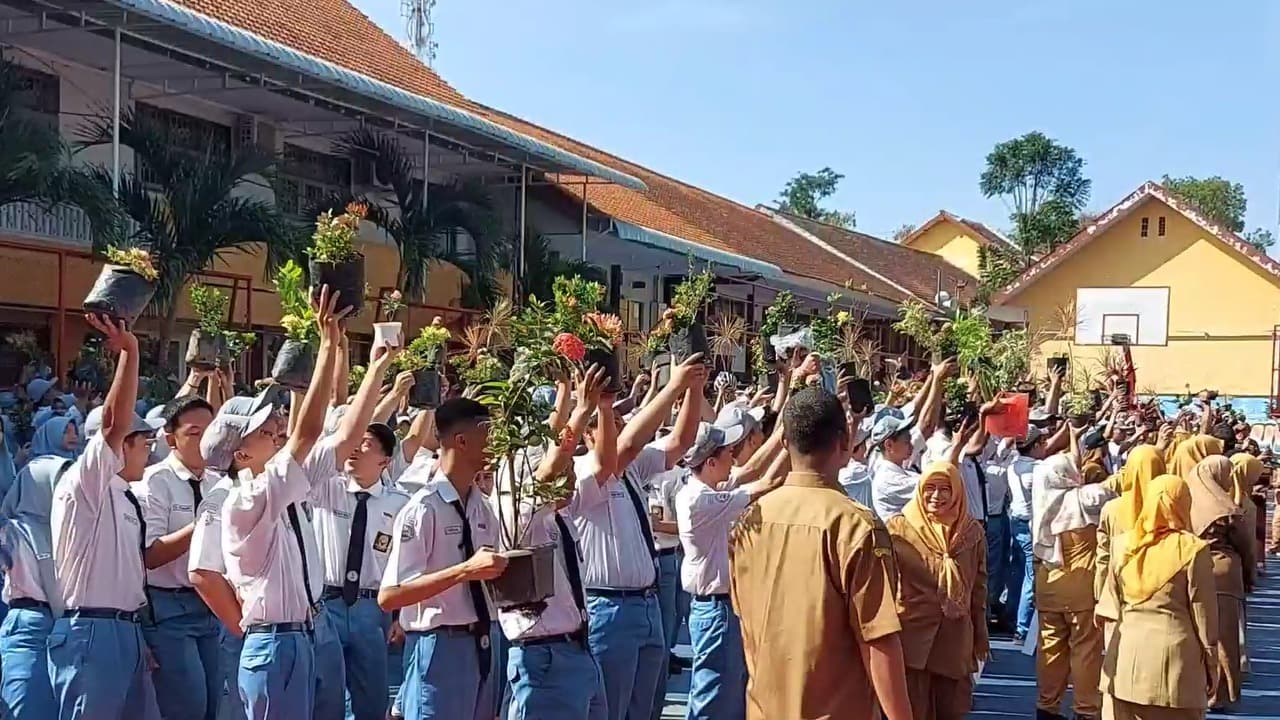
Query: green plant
[[211, 307], [299, 318], [916, 322], [136, 259], [827, 327], [238, 342], [781, 312], [392, 304], [334, 240], [355, 377], [687, 302], [424, 350]]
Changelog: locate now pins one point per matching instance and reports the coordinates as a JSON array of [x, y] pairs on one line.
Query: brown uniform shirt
[[812, 580], [1069, 588]]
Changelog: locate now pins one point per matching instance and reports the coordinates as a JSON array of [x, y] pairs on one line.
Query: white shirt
[[995, 463], [1021, 475], [662, 497], [415, 476], [97, 537], [705, 517], [168, 505], [22, 577], [335, 505], [939, 450], [561, 614], [609, 531], [260, 546], [427, 538], [205, 552], [892, 487], [855, 478]]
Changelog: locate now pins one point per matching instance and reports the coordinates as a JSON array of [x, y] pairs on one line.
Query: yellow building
[[1199, 303], [954, 239]]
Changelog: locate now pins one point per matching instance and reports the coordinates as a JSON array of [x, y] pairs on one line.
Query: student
[[354, 518], [269, 546], [97, 654], [614, 531], [705, 513], [442, 549], [807, 548], [183, 633], [1020, 579]]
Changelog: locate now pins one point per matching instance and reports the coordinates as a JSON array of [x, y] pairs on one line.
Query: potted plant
[[207, 346], [422, 358], [1080, 408], [916, 322], [778, 314], [125, 285], [237, 343], [681, 327], [334, 260], [585, 335], [389, 331], [297, 356]]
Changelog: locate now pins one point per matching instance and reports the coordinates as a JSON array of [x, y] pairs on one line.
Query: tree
[[1260, 238], [189, 210], [803, 193], [1043, 183], [542, 266], [1220, 200], [903, 232]]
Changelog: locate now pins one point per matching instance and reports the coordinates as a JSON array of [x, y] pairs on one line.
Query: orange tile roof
[[981, 233]]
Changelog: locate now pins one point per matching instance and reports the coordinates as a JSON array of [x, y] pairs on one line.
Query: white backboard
[[1140, 313]]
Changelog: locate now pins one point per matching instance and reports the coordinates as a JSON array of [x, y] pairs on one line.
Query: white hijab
[[1060, 503]]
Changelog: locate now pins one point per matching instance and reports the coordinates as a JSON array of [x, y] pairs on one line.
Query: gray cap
[[738, 414], [710, 439], [888, 422], [93, 423], [862, 431], [226, 433], [1033, 434]]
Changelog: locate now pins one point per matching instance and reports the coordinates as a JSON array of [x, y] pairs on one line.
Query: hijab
[[1161, 544], [1210, 487], [1061, 502], [1245, 471], [48, 439], [1143, 465], [1190, 452], [946, 534], [25, 513]]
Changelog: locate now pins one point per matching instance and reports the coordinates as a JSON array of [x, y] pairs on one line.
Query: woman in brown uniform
[[1218, 520], [1119, 515], [941, 555], [1165, 583]]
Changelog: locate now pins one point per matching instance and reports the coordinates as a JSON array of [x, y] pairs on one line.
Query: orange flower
[[607, 323], [357, 209], [569, 346]]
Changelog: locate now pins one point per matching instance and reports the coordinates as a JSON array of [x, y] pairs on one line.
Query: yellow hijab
[[1161, 543], [1190, 452], [1143, 465], [946, 534], [1245, 471], [1178, 437]]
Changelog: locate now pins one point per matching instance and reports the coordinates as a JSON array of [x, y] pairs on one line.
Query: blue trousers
[[229, 645], [718, 689], [362, 633], [331, 673], [997, 559], [1021, 576], [98, 672], [185, 642], [24, 664], [442, 675], [278, 676], [669, 606], [626, 638], [558, 681], [493, 689]]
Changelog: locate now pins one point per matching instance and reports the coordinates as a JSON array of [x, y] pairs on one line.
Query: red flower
[[569, 346]]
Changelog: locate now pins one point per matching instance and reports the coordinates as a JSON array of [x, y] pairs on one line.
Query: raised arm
[[422, 433], [605, 453], [357, 418], [646, 422], [392, 401], [560, 413], [117, 411], [587, 389], [311, 411], [342, 374]]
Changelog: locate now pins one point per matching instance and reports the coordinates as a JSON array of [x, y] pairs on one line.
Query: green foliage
[[334, 239], [916, 322], [1217, 198], [903, 232], [424, 350], [997, 268], [1044, 185], [299, 318], [826, 328], [803, 193], [542, 266], [687, 301], [211, 306], [355, 378], [1260, 238], [135, 258], [238, 342], [782, 311]]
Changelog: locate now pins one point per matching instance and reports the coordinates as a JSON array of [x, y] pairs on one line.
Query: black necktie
[[355, 550], [195, 492], [641, 516], [142, 539], [302, 553], [570, 550], [477, 595]]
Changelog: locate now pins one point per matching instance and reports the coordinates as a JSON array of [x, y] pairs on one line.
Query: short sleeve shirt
[[169, 504], [335, 502], [609, 528], [662, 496], [205, 552], [892, 487], [561, 614], [705, 516]]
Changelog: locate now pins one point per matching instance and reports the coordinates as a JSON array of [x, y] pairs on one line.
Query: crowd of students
[[234, 556]]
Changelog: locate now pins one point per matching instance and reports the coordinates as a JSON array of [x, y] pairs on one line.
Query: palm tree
[[188, 211], [542, 266], [36, 167], [422, 234]]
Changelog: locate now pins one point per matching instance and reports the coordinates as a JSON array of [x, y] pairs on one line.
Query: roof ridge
[[875, 238]]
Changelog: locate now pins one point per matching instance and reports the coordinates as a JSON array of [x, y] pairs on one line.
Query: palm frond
[[727, 335]]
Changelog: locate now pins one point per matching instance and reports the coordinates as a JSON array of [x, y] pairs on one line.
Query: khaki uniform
[[1231, 546], [1149, 680], [941, 654], [812, 580], [1070, 643], [1107, 604]]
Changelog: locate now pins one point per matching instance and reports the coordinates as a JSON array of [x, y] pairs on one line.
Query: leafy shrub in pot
[[422, 357], [296, 360], [681, 328], [334, 260], [124, 286], [207, 347]]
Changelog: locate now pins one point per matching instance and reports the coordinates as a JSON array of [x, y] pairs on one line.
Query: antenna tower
[[420, 28]]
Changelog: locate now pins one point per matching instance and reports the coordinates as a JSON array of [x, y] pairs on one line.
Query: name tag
[[617, 493], [382, 542], [129, 517], [182, 508], [342, 514], [453, 530]]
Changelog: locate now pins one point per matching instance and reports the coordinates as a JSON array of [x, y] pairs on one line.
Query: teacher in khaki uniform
[[812, 579]]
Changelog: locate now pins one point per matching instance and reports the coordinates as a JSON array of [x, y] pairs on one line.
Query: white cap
[[226, 433]]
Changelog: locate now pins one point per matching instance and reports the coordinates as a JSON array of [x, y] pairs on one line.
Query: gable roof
[[1121, 210], [915, 270], [979, 232]]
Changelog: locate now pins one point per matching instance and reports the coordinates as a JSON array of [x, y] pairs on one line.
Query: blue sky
[[905, 98]]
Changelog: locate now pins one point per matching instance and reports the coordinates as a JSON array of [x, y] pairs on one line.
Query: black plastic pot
[[1058, 365], [207, 351], [346, 278], [425, 392], [860, 398], [530, 577], [609, 360], [1081, 420], [689, 341], [119, 293], [770, 352], [294, 365]]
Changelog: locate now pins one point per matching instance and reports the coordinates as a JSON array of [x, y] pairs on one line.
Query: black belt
[[95, 613], [175, 590], [622, 593], [714, 597], [333, 592], [288, 627], [574, 638], [24, 603], [471, 629], [663, 552]]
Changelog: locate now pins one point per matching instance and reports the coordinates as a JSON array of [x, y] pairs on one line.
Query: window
[[307, 177], [1146, 225], [37, 92], [1160, 227], [194, 135]]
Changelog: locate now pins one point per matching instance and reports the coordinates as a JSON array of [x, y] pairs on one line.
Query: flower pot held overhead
[[609, 360], [207, 351], [425, 392], [530, 577], [688, 341], [346, 278], [119, 293], [1058, 365], [387, 334], [294, 365]]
